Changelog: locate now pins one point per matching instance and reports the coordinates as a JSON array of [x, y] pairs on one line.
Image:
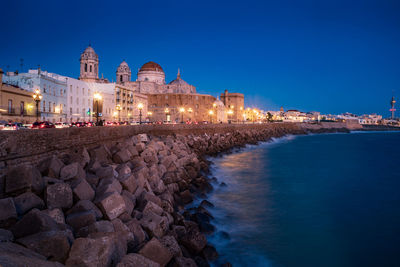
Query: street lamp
[[149, 113], [182, 110], [140, 107], [230, 112], [97, 97], [210, 112], [190, 110], [37, 97], [166, 110], [118, 108]]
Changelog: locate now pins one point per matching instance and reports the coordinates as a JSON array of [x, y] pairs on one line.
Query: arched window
[[85, 67], [90, 68], [120, 78]]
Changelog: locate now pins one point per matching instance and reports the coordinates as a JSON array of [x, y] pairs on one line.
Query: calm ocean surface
[[316, 200]]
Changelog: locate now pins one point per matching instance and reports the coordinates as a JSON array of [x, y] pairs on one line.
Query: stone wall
[[32, 146]]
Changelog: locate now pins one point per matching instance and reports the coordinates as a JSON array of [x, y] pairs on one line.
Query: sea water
[[315, 200]]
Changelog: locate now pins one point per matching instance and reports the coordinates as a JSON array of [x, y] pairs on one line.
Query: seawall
[[118, 191]]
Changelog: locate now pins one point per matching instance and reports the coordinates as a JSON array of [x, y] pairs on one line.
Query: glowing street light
[[118, 108], [166, 110], [149, 113], [182, 110], [140, 107], [37, 97], [190, 110], [230, 112], [97, 97], [211, 113]]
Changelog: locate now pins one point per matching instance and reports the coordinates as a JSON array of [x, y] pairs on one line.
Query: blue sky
[[330, 56]]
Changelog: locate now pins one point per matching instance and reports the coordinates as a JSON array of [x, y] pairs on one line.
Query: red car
[[42, 125]]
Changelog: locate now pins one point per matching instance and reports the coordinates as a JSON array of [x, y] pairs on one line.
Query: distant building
[[234, 104]]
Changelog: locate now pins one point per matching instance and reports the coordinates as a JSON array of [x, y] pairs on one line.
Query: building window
[[70, 99], [49, 106], [83, 91], [85, 67], [90, 68], [61, 92], [44, 106], [22, 107], [77, 101], [10, 106], [54, 107], [70, 89], [44, 88], [120, 78], [70, 111], [88, 91]]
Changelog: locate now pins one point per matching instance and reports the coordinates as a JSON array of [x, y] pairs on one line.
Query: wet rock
[[112, 205], [186, 197], [105, 172], [108, 186], [26, 202], [101, 226], [134, 259], [8, 212], [100, 154], [194, 240], [82, 190], [54, 245], [22, 179], [156, 252], [123, 169], [34, 222], [6, 236], [12, 255], [210, 253], [59, 196], [201, 262], [184, 262]]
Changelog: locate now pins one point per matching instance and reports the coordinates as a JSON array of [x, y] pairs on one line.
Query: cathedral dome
[[89, 53], [151, 66], [123, 67]]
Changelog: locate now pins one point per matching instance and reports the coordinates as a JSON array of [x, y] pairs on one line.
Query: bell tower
[[89, 65], [123, 73]]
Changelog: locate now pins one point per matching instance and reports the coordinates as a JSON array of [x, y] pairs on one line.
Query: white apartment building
[[53, 88]]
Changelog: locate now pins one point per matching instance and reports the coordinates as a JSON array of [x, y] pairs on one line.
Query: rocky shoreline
[[120, 204]]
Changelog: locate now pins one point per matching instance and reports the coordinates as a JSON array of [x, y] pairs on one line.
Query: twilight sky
[[333, 56]]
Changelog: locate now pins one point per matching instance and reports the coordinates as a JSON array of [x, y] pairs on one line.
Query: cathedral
[[151, 80], [176, 101]]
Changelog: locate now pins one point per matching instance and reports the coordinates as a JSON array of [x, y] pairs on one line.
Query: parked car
[[61, 125], [78, 124], [11, 127], [42, 125], [89, 124]]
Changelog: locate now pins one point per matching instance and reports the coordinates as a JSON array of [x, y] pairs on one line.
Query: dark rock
[[152, 207], [154, 224], [105, 172], [59, 196], [184, 262], [194, 240], [100, 154], [186, 197], [72, 171], [6, 236], [134, 259], [207, 204], [201, 262], [26, 202], [81, 219], [22, 179], [8, 212], [12, 255], [122, 156], [129, 182], [156, 252], [54, 168], [210, 253], [85, 205], [54, 245], [34, 222], [206, 228], [136, 229]]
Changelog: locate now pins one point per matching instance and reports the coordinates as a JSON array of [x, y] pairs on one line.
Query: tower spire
[[179, 74]]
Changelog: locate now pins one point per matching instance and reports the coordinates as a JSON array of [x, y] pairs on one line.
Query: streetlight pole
[[97, 97], [37, 97], [140, 107], [166, 110], [190, 110], [118, 107], [182, 110], [211, 113]]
